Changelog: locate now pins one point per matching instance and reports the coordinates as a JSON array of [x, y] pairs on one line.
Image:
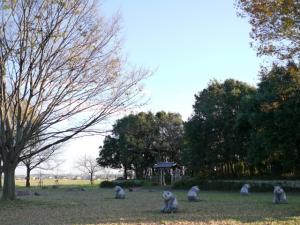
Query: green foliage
[[168, 143], [123, 183], [239, 131], [274, 116], [109, 154], [214, 144], [188, 182], [139, 141], [107, 184], [214, 185]]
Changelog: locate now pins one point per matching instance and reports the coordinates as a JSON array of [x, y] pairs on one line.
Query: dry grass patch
[[64, 182]]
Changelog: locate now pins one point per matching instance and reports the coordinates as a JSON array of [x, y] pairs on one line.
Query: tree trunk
[[252, 170], [138, 173], [232, 170], [297, 167], [28, 170], [125, 173], [91, 178], [9, 183]]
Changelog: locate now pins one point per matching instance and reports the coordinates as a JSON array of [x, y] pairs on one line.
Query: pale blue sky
[[188, 43]]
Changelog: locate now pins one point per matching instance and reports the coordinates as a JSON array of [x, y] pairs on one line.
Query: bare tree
[[88, 165], [40, 160], [61, 73]]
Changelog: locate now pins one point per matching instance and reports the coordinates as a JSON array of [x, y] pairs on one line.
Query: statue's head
[[117, 188], [278, 190], [247, 186], [195, 188], [167, 195]]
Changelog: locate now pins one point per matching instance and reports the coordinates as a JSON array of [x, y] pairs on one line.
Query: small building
[[167, 168]]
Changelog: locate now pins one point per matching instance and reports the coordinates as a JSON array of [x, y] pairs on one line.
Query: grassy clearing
[[97, 206], [64, 182]]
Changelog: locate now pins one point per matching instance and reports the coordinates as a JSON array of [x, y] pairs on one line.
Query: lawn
[[64, 182], [98, 206]]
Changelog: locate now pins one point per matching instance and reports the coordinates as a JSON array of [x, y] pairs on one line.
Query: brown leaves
[[275, 26]]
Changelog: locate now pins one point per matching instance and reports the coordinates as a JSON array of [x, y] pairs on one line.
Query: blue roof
[[164, 165]]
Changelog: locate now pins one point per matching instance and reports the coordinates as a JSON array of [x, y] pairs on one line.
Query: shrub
[[107, 184], [187, 183], [129, 183], [123, 183], [207, 184], [235, 185]]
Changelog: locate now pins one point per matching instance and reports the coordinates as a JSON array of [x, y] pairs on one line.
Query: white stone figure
[[279, 195], [120, 193], [245, 189], [171, 204], [193, 194]]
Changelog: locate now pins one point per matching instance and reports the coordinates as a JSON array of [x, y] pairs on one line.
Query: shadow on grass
[[183, 216], [98, 206]]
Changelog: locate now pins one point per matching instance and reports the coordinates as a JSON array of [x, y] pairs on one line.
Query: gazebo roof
[[164, 165]]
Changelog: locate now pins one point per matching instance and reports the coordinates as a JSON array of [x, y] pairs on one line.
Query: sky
[[186, 44]]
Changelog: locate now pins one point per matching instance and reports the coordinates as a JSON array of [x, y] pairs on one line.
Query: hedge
[[122, 183], [232, 185]]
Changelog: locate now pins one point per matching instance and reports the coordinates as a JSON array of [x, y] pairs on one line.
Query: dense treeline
[[236, 130], [140, 140], [214, 144]]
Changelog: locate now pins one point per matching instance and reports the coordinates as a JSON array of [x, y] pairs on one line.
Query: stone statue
[[193, 194], [120, 193], [279, 195], [245, 189], [171, 204]]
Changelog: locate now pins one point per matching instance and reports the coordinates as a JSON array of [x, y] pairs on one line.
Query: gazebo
[[171, 167]]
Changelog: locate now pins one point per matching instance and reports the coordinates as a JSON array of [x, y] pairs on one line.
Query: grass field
[[64, 182], [98, 206]]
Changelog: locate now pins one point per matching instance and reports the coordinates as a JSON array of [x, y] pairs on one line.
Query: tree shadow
[[100, 207]]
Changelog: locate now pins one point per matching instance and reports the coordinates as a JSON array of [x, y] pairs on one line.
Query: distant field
[[50, 182], [98, 206]]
